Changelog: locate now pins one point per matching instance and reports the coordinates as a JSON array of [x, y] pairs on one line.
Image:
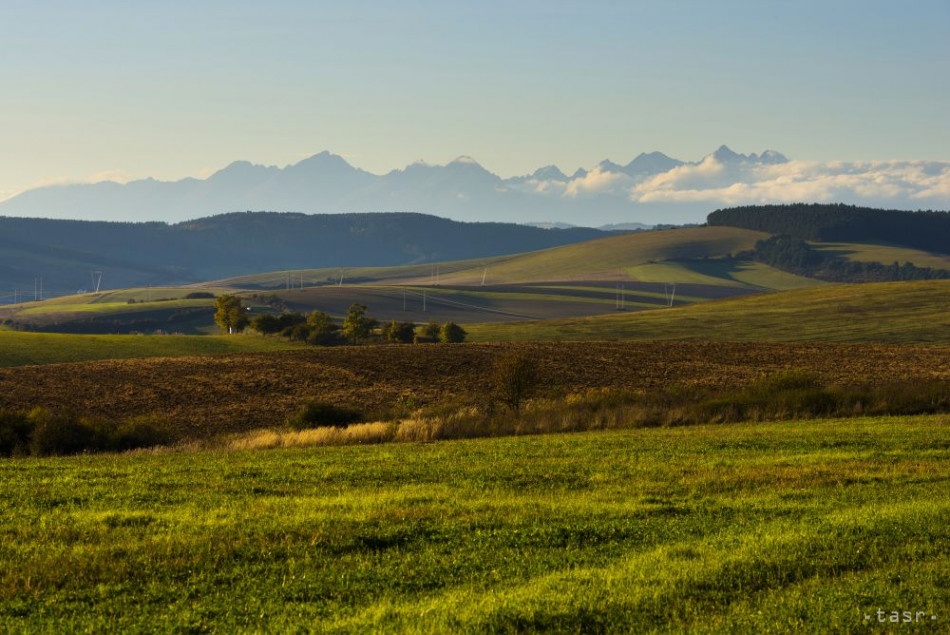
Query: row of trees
[[319, 327], [796, 256]]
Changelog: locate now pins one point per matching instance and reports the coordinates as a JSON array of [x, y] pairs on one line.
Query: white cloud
[[901, 184], [597, 181]]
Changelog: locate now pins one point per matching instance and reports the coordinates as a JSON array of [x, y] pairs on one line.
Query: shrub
[[200, 295], [399, 332], [317, 414], [15, 432], [57, 434], [514, 378], [145, 431], [451, 333]]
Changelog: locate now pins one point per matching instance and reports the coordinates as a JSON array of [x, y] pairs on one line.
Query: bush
[[318, 414], [15, 432], [398, 332], [451, 333], [46, 433], [431, 331], [142, 432], [56, 434], [268, 323], [514, 378]]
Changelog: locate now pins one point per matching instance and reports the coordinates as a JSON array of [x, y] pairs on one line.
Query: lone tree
[[514, 378], [357, 326], [229, 315]]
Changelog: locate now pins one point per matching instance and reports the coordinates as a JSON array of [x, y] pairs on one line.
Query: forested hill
[[63, 252], [929, 231]]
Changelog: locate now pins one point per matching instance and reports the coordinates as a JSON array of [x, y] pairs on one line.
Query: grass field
[[895, 312], [605, 258], [821, 526], [885, 254], [18, 348]]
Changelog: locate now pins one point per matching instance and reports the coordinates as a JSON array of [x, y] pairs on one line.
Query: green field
[[784, 527], [898, 312], [18, 349], [893, 312], [600, 259], [885, 254]]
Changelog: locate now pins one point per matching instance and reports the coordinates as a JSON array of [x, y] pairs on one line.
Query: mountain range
[[325, 183]]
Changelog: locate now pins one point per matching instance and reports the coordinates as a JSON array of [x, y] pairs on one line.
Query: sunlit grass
[[783, 527], [896, 312], [885, 254], [22, 348]]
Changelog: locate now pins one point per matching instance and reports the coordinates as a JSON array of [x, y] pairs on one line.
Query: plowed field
[[208, 395]]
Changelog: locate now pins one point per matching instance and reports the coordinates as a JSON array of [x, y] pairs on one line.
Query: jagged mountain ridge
[[327, 183]]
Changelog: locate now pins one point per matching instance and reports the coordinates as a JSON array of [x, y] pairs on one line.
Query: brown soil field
[[209, 395]]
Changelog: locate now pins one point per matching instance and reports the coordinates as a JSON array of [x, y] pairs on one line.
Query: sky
[[103, 89]]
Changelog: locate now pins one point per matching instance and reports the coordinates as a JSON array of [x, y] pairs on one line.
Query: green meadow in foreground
[[818, 526]]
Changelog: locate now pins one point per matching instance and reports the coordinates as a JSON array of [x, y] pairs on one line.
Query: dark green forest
[[925, 230], [796, 256], [64, 252]]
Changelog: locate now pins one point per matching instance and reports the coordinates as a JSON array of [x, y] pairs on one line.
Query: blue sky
[[107, 89]]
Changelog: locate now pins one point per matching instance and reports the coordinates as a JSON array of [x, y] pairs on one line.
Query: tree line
[[320, 329], [926, 230], [797, 256]]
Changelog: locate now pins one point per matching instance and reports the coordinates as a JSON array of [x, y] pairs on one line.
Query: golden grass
[[357, 434]]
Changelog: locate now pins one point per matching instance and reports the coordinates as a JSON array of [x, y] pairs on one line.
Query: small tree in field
[[451, 333], [322, 329], [229, 314], [514, 378], [357, 326]]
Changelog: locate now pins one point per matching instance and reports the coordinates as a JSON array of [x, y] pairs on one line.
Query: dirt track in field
[[205, 395]]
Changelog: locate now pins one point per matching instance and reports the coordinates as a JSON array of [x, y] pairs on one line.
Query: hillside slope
[[897, 312], [45, 258], [687, 255]]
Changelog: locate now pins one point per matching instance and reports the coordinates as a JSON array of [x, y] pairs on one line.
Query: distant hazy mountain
[[726, 156], [326, 183]]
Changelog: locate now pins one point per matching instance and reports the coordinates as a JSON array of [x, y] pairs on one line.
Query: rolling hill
[[894, 312], [626, 271], [618, 274], [42, 258]]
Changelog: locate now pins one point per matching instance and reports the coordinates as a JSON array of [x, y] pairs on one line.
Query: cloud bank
[[716, 183]]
